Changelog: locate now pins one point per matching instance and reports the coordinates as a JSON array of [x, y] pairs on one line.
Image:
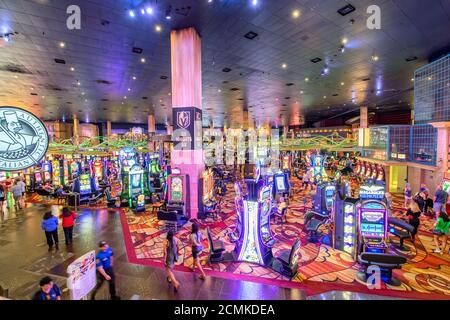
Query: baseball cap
[[102, 244]]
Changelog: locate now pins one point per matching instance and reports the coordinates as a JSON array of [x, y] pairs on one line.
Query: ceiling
[[104, 63]]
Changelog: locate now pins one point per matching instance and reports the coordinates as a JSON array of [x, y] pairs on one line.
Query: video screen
[[372, 223], [280, 183]]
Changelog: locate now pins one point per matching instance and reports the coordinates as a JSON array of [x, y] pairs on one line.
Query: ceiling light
[[284, 66], [149, 10], [62, 45], [324, 97], [158, 28], [129, 89], [168, 13], [131, 13], [210, 1], [254, 2], [342, 83], [125, 97], [375, 58], [219, 90], [301, 92], [72, 69], [6, 38], [412, 79], [143, 60], [306, 79], [134, 77], [344, 41], [142, 11], [78, 83], [296, 14]]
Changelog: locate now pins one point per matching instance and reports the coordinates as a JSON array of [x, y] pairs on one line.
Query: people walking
[[105, 271], [48, 291], [408, 195], [170, 256], [197, 248], [68, 221], [440, 199], [441, 229], [50, 227], [16, 191], [413, 214]]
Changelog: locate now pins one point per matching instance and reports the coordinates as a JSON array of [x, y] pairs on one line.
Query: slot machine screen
[[280, 183], [265, 194], [372, 223], [38, 177], [176, 189], [329, 192], [28, 180], [85, 183]]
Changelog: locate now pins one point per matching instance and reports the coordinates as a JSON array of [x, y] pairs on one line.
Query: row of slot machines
[[370, 171]]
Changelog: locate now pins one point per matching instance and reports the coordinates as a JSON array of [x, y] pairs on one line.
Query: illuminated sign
[[251, 251], [372, 192]]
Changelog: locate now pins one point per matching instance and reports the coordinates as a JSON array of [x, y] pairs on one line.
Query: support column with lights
[[187, 155], [151, 127], [76, 135], [108, 129]]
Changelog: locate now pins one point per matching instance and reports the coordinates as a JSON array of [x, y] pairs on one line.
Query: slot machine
[[29, 180], [380, 175], [206, 193], [324, 198], [2, 176], [136, 184], [374, 171], [37, 178], [97, 168], [85, 184], [66, 172], [47, 171], [75, 169], [363, 169], [56, 174], [281, 184], [177, 192], [368, 170], [372, 220]]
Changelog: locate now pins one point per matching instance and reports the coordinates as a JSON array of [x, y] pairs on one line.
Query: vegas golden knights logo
[[23, 139]]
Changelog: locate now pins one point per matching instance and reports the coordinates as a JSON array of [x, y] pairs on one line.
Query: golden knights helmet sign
[[23, 139]]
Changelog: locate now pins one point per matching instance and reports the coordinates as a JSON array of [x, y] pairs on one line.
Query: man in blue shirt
[[49, 290], [104, 260]]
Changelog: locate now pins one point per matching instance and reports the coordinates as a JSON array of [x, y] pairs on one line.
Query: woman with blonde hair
[[413, 214]]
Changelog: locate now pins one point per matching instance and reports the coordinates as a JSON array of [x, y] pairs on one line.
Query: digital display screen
[[176, 189], [38, 177], [372, 223], [280, 183], [446, 186], [265, 194], [85, 183]]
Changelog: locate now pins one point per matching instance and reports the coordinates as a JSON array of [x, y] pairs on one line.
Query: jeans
[[101, 279], [438, 207], [52, 236], [68, 234]]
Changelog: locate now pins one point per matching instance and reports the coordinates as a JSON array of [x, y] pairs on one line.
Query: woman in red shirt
[[68, 220]]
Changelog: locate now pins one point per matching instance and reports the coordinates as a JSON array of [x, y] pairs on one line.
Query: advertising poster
[[82, 276]]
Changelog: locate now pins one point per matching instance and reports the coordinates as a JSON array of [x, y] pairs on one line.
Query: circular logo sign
[[23, 139]]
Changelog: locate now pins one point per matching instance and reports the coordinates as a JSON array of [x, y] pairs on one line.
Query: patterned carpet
[[321, 268]]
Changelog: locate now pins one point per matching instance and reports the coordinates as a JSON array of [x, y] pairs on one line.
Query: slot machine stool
[[386, 263], [286, 262]]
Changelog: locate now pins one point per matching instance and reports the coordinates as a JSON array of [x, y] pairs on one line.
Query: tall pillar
[[108, 129], [151, 124], [363, 117], [76, 128], [169, 130], [187, 155]]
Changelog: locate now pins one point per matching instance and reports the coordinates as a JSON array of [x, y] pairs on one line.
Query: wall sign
[[23, 139], [371, 191]]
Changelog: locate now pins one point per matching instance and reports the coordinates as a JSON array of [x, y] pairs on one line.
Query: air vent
[[240, 99], [411, 59], [284, 105], [287, 98], [105, 100], [226, 69], [251, 35], [234, 89], [289, 84], [315, 60], [346, 10], [60, 61], [144, 98], [104, 22], [34, 94], [163, 77], [225, 82], [335, 95], [103, 82], [69, 102], [137, 50], [366, 79]]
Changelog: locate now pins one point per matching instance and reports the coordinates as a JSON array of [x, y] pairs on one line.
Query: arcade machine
[[178, 193], [47, 171], [281, 185], [255, 241], [29, 180], [206, 194], [343, 220], [372, 220], [56, 166]]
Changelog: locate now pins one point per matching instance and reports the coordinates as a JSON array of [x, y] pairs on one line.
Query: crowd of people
[[17, 188]]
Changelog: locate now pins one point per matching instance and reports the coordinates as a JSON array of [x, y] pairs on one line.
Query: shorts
[[196, 252], [438, 207]]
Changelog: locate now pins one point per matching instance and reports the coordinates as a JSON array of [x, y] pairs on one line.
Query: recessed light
[[134, 78], [72, 69], [129, 89], [296, 13], [143, 60], [342, 83], [78, 83], [344, 41], [412, 79], [158, 28], [125, 97], [306, 79], [62, 45], [226, 69], [301, 92], [82, 93], [284, 66], [375, 58]]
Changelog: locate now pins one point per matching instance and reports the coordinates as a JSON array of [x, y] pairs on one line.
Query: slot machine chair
[[400, 229], [386, 263], [286, 262], [280, 215], [313, 221], [216, 248], [171, 218], [95, 198], [110, 201]]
